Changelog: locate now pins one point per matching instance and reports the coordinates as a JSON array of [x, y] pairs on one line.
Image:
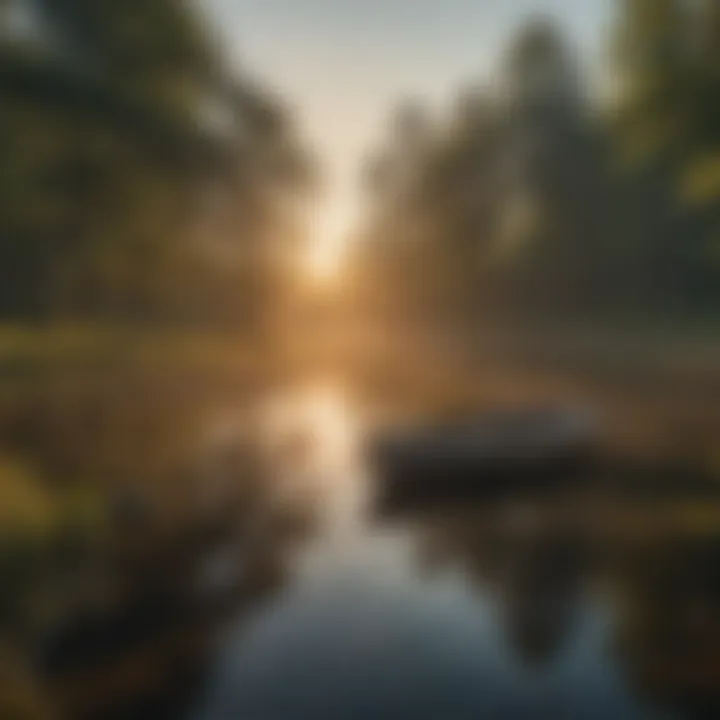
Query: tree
[[122, 132], [665, 125]]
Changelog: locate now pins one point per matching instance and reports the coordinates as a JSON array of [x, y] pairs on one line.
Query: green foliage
[[504, 207], [26, 506], [130, 151], [158, 48], [534, 199]]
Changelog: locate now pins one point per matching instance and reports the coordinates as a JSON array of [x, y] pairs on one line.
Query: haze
[[348, 63]]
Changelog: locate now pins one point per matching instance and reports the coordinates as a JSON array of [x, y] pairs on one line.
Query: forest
[[555, 191], [142, 177]]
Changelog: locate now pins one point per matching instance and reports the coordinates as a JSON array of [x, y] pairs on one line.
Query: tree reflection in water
[[658, 577], [537, 576], [667, 594], [190, 533]]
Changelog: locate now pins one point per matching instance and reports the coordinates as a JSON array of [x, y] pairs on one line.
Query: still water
[[471, 612]]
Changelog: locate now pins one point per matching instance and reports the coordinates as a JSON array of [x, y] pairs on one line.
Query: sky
[[343, 65]]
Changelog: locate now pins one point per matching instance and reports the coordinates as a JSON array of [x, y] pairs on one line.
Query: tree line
[[556, 191], [141, 175]]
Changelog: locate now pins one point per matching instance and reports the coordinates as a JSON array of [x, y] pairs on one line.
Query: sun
[[327, 251], [325, 262]]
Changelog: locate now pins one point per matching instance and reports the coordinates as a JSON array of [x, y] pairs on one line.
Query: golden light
[[328, 249], [320, 425], [325, 261]]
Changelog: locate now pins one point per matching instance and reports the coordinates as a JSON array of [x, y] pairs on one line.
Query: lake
[[518, 610], [245, 569]]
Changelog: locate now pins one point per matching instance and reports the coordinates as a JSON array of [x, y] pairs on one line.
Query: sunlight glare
[[327, 252]]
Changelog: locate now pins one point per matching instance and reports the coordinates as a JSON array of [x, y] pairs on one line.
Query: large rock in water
[[493, 454]]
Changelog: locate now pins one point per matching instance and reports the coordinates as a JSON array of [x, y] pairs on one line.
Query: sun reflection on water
[[315, 437]]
